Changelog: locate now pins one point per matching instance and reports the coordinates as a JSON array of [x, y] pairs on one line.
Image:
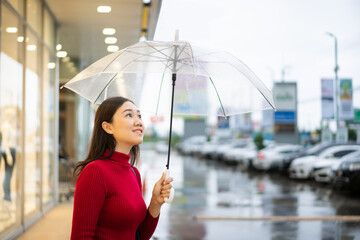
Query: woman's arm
[[161, 190], [90, 193]]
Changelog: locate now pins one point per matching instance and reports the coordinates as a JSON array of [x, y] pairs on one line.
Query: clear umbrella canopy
[[207, 82]]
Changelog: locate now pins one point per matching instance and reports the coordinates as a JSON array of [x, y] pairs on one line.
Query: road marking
[[280, 218]]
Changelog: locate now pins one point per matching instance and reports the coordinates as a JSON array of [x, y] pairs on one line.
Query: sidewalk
[[55, 225]]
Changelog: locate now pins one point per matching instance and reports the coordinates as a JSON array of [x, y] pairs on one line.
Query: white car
[[192, 144], [240, 153], [161, 147], [323, 168], [220, 151], [245, 155], [207, 149], [302, 168], [271, 158]]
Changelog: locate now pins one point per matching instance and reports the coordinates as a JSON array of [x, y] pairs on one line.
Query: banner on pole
[[346, 111], [327, 99]]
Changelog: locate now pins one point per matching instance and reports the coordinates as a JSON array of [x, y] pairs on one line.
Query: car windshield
[[317, 149], [351, 156]]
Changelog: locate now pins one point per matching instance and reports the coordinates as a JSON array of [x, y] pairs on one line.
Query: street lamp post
[[336, 69]]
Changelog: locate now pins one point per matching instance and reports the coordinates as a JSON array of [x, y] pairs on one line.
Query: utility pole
[[336, 69]]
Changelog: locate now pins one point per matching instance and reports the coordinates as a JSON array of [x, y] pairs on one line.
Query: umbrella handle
[[172, 191]]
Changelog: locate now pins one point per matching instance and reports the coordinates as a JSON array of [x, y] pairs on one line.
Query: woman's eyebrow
[[130, 110]]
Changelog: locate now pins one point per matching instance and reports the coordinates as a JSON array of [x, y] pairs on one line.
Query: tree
[[259, 141]]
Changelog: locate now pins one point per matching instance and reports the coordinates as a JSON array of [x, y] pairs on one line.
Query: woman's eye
[[128, 115], [139, 116]]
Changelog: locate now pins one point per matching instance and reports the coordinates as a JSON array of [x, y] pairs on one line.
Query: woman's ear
[[107, 127]]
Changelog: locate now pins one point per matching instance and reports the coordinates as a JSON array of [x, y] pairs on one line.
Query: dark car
[[314, 150], [347, 174]]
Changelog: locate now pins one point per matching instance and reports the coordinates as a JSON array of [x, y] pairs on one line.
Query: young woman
[[108, 203]]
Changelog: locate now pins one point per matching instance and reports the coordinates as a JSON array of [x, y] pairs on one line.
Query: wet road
[[208, 189]]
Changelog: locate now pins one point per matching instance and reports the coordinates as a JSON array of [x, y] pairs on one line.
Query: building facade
[[28, 114]]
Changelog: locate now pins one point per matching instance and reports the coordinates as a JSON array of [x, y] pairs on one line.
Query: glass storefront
[[27, 113], [11, 86], [32, 127]]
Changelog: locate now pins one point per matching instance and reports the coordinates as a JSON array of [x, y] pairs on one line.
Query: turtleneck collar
[[117, 156]]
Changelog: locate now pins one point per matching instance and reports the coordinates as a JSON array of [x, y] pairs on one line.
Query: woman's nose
[[138, 122]]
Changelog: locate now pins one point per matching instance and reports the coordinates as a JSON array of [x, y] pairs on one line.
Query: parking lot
[[215, 200]]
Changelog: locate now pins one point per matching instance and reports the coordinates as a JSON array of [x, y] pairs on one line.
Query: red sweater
[[108, 203]]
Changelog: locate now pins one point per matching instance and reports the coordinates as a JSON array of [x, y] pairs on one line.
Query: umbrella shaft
[[171, 118]]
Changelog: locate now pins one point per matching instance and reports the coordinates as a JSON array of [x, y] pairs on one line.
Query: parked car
[[347, 173], [162, 147], [219, 152], [247, 154], [191, 144], [303, 168], [271, 158], [314, 150], [322, 168]]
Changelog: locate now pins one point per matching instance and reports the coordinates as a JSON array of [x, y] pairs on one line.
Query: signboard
[[327, 98], [285, 96], [191, 102], [326, 135], [342, 135], [285, 115], [356, 115], [346, 111], [223, 123]]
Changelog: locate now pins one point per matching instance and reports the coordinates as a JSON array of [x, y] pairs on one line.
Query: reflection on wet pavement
[[210, 189]]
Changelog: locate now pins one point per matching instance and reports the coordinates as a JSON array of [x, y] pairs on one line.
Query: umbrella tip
[[177, 35]]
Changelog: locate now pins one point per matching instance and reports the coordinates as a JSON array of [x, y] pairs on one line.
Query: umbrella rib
[[112, 78], [147, 55], [105, 87], [157, 50], [250, 75], [180, 54], [222, 107], [157, 105]]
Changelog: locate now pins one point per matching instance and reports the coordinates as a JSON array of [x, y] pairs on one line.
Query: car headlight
[[354, 166]]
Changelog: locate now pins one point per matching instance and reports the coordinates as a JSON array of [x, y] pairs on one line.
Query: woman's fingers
[[168, 186], [168, 180], [165, 191]]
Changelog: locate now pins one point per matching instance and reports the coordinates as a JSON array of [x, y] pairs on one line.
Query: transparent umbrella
[[174, 77]]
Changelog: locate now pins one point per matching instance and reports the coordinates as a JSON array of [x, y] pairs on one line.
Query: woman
[[108, 203]]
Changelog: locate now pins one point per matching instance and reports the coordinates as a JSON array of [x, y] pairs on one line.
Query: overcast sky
[[274, 35]]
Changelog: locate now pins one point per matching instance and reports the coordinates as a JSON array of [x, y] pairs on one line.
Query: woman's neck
[[123, 149]]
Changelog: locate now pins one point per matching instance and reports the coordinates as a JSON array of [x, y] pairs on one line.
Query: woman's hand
[[161, 190]]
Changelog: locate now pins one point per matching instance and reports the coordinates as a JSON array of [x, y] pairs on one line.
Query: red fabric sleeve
[[148, 226], [90, 192]]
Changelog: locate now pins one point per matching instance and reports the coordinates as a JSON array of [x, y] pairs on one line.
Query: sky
[[276, 36]]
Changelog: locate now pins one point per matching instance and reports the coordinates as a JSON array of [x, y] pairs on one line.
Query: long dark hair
[[101, 140]]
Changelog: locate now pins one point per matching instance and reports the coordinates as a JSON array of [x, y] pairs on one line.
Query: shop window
[[34, 14], [11, 87], [49, 141], [18, 5], [49, 30], [32, 127]]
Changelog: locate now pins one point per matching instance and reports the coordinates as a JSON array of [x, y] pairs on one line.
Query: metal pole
[[336, 69], [171, 118]]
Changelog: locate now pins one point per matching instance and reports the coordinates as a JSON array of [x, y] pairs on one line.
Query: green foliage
[[259, 141], [351, 135], [174, 139]]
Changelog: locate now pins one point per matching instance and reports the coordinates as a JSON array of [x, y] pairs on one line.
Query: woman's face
[[127, 127]]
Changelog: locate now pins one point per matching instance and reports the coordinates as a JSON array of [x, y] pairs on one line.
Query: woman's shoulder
[[94, 167]]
